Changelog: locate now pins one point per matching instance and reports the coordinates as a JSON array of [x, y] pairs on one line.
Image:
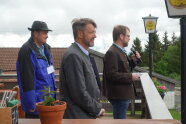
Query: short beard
[[91, 44], [125, 45]]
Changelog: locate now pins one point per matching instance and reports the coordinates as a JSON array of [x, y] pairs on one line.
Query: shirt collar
[[122, 48], [83, 49], [40, 47]]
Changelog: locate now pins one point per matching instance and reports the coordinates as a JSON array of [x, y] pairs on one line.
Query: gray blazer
[[78, 85]]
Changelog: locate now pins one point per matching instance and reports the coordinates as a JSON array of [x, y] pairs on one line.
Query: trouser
[[120, 108], [28, 115]]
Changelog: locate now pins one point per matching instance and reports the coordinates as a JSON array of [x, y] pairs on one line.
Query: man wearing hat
[[34, 68]]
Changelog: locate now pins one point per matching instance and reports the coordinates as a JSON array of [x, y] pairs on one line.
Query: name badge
[[50, 69]]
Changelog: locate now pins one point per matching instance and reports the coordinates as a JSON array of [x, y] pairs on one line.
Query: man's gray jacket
[[78, 85]]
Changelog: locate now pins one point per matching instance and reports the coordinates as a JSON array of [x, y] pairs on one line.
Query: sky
[[17, 15]]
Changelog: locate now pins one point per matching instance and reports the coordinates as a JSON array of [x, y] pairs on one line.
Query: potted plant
[[50, 111], [162, 89]]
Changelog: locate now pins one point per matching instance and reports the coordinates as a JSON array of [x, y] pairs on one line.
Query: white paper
[[50, 69]]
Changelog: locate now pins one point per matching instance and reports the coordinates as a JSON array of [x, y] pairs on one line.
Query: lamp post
[[177, 9], [150, 27]]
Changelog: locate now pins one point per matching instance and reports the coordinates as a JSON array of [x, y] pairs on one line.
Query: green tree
[[166, 42], [145, 55], [157, 52], [136, 45], [156, 48], [170, 64], [174, 39]]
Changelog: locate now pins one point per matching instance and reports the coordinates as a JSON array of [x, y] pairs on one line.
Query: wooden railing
[[8, 76]]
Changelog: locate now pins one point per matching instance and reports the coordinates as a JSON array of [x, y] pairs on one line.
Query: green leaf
[[47, 96]]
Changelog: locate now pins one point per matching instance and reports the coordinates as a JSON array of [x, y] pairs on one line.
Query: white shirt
[[83, 49], [123, 49]]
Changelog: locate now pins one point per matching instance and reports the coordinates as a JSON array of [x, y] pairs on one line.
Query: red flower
[[161, 89]]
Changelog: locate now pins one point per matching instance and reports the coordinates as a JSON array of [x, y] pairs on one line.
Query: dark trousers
[[28, 115], [120, 108]]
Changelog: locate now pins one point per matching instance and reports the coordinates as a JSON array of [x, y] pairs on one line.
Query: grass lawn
[[176, 115]]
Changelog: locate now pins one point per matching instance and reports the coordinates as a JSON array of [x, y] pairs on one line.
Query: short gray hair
[[79, 25]]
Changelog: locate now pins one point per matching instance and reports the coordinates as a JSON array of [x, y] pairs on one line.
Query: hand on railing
[[101, 113], [136, 76]]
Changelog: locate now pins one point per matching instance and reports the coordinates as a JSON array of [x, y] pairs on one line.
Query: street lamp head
[[150, 23], [176, 8]]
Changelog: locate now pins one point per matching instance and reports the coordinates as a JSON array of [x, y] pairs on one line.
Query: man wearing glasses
[[117, 74]]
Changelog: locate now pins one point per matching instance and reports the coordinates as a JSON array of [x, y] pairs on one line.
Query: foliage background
[[166, 54]]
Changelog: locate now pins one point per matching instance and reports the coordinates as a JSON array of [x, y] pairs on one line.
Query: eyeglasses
[[128, 36]]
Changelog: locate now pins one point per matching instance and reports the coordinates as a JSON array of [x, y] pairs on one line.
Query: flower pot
[[51, 114], [162, 95]]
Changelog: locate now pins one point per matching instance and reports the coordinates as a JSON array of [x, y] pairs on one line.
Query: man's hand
[[136, 56], [32, 110], [135, 76], [101, 113]]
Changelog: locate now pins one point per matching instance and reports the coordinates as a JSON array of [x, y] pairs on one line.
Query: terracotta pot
[[51, 114]]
